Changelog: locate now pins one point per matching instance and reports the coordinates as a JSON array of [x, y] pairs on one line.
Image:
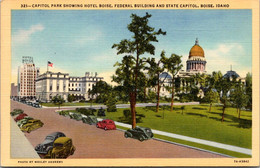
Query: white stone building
[[52, 84]]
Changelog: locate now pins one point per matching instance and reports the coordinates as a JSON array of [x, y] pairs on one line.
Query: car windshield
[[148, 130], [49, 138], [58, 145]]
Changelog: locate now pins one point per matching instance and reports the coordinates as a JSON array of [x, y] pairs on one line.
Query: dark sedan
[[47, 145], [140, 133]]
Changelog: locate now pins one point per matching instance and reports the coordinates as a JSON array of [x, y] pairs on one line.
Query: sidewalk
[[125, 105], [196, 140], [20, 146]]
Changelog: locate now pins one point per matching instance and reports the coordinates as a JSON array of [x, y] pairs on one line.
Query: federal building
[[52, 84]]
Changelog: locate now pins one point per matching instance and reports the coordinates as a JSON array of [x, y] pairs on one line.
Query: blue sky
[[79, 41]]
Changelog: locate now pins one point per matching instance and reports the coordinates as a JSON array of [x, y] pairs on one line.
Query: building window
[[72, 84], [50, 88]]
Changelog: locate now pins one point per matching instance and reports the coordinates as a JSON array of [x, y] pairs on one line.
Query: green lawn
[[69, 104], [197, 122]]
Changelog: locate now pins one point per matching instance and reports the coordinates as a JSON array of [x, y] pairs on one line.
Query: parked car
[[16, 112], [23, 121], [47, 145], [20, 116], [101, 112], [31, 125], [90, 119], [75, 116], [63, 113], [140, 133], [62, 148], [36, 105], [106, 124]]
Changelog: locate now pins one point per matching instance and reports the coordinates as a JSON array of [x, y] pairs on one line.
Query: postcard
[[129, 83]]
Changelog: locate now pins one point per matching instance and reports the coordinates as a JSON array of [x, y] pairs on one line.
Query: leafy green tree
[[225, 85], [142, 42], [173, 65], [249, 90], [57, 100], [239, 97], [182, 108], [154, 71], [71, 98], [211, 97], [101, 90], [111, 103]]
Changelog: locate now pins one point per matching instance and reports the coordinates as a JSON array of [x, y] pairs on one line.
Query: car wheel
[[71, 151], [29, 130], [105, 128], [141, 138], [53, 156], [97, 126], [126, 135], [49, 152]]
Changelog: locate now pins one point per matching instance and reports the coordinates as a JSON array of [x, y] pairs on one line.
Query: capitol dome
[[196, 50], [196, 61]]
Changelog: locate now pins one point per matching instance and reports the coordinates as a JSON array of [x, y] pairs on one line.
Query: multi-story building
[[80, 86], [27, 74], [52, 84]]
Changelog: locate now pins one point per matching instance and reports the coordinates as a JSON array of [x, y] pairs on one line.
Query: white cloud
[[223, 56], [23, 36]]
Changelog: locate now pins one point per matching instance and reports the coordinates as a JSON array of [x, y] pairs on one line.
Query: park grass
[[197, 145], [197, 122], [69, 104]]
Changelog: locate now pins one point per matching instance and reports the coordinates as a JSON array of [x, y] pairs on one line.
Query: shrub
[[127, 113], [111, 104], [85, 111]]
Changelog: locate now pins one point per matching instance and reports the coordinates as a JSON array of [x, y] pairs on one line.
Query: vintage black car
[[16, 112], [101, 112], [140, 133], [47, 145], [90, 119]]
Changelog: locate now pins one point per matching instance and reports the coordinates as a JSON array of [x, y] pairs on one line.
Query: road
[[91, 142]]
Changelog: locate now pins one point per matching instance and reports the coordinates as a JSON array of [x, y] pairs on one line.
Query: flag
[[50, 64]]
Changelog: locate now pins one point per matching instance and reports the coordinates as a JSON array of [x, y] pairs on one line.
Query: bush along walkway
[[195, 140]]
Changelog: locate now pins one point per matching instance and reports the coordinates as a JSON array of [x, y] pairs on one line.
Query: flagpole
[[47, 66]]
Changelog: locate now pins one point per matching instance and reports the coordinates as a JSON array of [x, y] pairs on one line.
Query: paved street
[[91, 142]]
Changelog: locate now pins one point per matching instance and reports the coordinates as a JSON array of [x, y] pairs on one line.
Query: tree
[[182, 108], [225, 85], [211, 97], [141, 43], [57, 100], [173, 65], [111, 103], [101, 89], [249, 90], [154, 71], [71, 98], [239, 97]]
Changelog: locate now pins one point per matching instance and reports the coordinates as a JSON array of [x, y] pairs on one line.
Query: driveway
[[91, 142]]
